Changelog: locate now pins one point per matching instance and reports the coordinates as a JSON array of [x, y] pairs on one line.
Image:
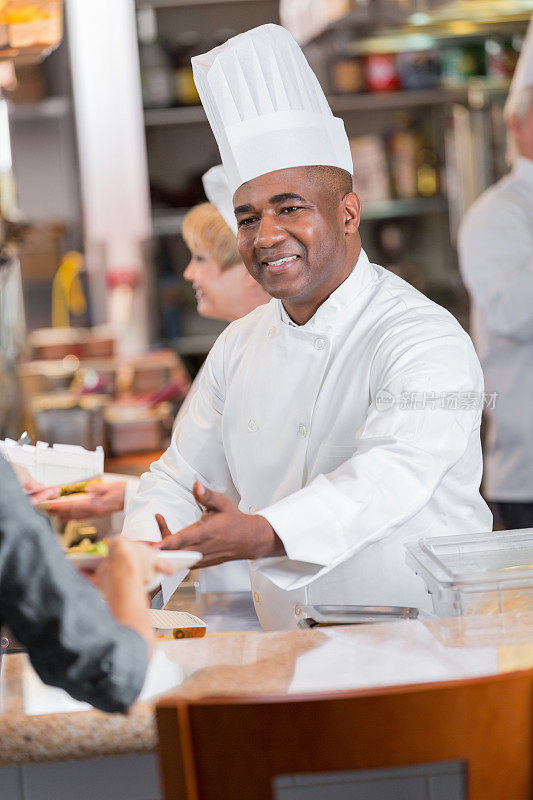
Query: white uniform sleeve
[[496, 256], [195, 453], [400, 457]]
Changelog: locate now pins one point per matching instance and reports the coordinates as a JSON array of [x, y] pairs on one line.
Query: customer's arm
[[71, 636]]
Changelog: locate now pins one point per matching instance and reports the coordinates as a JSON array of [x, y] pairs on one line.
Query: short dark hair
[[337, 180]]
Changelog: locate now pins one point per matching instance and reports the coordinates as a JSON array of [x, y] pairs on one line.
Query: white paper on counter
[[364, 658], [163, 675]]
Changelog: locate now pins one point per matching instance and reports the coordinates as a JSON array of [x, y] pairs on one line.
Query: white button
[[319, 344], [272, 332], [252, 425], [252, 509], [302, 430], [257, 598], [298, 611]]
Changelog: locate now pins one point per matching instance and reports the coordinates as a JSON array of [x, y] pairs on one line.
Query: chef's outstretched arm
[[223, 533]]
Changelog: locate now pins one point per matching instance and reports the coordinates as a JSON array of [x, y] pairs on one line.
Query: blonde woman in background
[[224, 290]]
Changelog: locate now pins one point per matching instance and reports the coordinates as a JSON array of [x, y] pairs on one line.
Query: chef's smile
[[279, 265]]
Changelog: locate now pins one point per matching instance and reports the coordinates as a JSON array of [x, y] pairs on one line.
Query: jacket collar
[[330, 315]]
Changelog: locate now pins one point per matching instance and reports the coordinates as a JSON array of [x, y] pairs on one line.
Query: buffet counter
[[41, 724]]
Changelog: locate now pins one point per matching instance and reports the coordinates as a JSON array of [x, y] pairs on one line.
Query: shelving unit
[[340, 104], [404, 207], [169, 222], [49, 108], [189, 3], [180, 142], [186, 115]]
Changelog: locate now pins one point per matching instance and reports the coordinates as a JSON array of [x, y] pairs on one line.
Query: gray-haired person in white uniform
[[496, 259]]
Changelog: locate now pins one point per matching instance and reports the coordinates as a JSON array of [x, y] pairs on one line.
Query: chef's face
[[298, 232], [217, 290]]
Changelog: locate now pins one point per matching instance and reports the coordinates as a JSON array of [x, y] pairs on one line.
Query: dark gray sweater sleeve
[[72, 639]]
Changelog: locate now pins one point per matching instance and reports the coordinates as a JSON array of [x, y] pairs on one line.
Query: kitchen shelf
[[190, 3], [374, 101], [404, 207], [49, 108], [185, 115], [168, 223], [340, 104]]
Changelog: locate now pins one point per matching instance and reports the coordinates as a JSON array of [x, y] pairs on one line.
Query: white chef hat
[[217, 191], [523, 74], [266, 107]]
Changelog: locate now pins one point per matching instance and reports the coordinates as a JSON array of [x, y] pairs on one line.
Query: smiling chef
[[339, 421]]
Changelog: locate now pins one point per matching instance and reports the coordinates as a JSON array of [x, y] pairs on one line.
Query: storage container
[[477, 574]]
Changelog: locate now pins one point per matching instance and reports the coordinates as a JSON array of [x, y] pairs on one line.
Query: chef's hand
[[98, 500], [223, 533]]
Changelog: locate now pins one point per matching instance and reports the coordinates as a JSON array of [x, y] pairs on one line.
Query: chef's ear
[[352, 212]]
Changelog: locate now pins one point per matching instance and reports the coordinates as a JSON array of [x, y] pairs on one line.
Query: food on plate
[[77, 488], [88, 548]]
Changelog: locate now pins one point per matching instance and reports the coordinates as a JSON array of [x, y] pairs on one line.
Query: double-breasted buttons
[[257, 598], [319, 343], [252, 509], [252, 425], [272, 332], [302, 430]]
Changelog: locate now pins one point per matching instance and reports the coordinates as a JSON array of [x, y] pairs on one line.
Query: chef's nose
[[269, 232]]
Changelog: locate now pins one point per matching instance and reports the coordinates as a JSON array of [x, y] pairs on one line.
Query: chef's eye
[[243, 223], [290, 209]]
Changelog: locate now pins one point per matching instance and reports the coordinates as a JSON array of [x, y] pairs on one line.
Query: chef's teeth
[[282, 261]]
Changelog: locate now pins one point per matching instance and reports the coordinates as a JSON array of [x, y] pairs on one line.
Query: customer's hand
[[29, 484], [98, 500], [122, 578], [134, 558]]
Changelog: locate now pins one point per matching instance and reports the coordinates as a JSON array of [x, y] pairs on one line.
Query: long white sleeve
[[496, 255]]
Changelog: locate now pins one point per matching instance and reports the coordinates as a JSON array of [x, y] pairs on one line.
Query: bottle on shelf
[[404, 142], [427, 172], [345, 70], [188, 44], [157, 80]]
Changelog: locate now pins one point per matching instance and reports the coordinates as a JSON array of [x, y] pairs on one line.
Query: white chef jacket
[[293, 422], [496, 258]]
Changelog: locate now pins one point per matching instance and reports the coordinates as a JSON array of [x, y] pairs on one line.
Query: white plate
[[86, 561], [180, 559]]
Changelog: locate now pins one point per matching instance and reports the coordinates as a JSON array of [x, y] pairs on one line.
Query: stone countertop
[[42, 724]]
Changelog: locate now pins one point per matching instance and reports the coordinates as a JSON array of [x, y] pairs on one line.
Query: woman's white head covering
[[266, 107], [217, 192]]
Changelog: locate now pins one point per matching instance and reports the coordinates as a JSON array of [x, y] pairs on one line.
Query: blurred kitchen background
[[103, 143]]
